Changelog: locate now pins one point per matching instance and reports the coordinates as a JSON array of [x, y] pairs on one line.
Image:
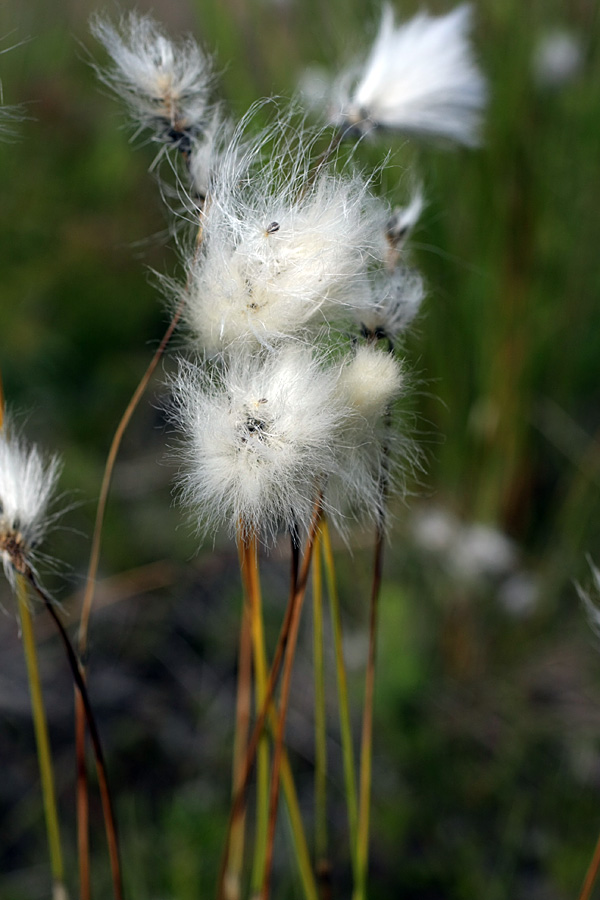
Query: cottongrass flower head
[[590, 598], [281, 253], [27, 486], [403, 219], [166, 85], [374, 456], [261, 436], [396, 299], [208, 153], [420, 78]]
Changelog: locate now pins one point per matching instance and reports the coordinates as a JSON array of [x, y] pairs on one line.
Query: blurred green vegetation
[[487, 757]]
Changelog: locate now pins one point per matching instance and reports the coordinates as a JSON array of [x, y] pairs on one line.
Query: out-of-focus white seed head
[[590, 597], [261, 433], [558, 59], [396, 298], [27, 484], [420, 78], [280, 254], [371, 381], [207, 152], [404, 218], [165, 85]]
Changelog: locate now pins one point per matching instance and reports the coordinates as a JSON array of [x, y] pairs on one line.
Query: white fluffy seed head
[[165, 85], [280, 254], [208, 152], [396, 298], [589, 598], [371, 381], [27, 484], [261, 434], [404, 218], [371, 451], [420, 78]]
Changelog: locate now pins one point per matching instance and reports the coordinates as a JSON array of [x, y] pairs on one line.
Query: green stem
[[344, 706], [248, 554], [320, 712], [233, 887], [366, 752], [43, 743]]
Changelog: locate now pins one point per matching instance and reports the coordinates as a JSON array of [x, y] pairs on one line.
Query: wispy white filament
[[27, 485], [420, 78], [165, 85]]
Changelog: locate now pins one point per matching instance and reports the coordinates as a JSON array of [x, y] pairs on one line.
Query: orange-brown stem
[[591, 874]]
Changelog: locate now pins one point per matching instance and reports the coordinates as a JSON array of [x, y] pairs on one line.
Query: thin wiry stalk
[[280, 729], [249, 561], [366, 751], [272, 681], [242, 727], [83, 834], [106, 479], [321, 853], [42, 741], [82, 787], [293, 807], [107, 807], [344, 706], [591, 874]]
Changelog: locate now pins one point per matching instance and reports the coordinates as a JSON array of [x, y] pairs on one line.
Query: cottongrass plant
[[420, 78], [28, 484], [298, 288], [27, 487]]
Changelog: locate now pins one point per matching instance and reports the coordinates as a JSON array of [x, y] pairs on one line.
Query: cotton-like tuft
[[166, 85], [420, 79], [281, 254], [371, 381], [262, 436], [27, 484]]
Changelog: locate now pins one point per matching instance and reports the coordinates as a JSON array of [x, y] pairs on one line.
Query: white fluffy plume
[[166, 85], [261, 434], [27, 485], [281, 253], [420, 78]]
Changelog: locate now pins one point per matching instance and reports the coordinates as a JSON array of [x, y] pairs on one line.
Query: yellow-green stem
[[233, 886], [268, 712], [366, 750], [320, 714], [253, 597], [252, 585], [43, 743], [293, 807], [344, 706]]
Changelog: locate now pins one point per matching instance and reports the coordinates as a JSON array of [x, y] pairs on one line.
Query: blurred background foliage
[[487, 756]]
